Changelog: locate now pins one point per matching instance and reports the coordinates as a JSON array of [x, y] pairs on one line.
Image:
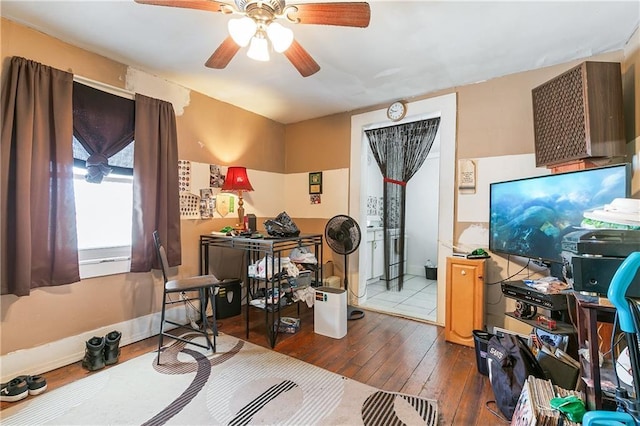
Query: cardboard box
[[327, 269], [332, 281], [328, 279]]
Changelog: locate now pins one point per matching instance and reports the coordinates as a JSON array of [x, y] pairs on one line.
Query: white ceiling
[[410, 48]]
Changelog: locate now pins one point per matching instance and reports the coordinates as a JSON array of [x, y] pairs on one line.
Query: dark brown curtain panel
[[156, 203], [103, 123], [39, 241]]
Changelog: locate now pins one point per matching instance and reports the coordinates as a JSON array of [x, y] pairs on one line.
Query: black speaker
[[594, 274], [251, 222]]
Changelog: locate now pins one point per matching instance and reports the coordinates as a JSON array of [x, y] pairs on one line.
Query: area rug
[[239, 385]]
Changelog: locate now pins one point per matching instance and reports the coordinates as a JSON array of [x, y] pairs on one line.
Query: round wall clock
[[396, 111]]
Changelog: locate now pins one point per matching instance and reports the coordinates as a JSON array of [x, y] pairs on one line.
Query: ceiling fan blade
[[210, 5], [223, 54], [301, 59], [354, 14]]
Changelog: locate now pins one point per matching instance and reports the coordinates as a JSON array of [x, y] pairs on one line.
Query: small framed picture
[[315, 183]]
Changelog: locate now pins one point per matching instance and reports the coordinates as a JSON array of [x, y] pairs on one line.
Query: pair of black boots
[[102, 351]]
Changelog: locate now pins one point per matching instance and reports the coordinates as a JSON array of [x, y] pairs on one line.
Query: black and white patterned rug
[[241, 384]]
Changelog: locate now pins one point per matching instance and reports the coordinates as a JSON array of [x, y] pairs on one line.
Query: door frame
[[445, 107]]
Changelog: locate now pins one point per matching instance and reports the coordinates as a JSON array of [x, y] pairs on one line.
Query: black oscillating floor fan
[[343, 236]]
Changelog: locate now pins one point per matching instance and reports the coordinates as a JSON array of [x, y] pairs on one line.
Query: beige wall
[[208, 131], [229, 136], [494, 118], [320, 144]]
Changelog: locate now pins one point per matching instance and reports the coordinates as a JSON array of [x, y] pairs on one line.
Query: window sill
[[106, 261]]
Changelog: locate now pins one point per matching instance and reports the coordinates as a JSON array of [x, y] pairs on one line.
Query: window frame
[[103, 261], [108, 260]]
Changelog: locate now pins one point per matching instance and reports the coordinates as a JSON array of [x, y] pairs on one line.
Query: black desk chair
[[205, 285]]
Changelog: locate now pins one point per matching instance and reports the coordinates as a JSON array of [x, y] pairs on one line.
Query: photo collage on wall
[[199, 186], [189, 203]]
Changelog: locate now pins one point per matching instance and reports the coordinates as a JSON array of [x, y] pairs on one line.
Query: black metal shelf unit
[[274, 249]]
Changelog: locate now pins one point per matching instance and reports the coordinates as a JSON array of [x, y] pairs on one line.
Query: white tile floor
[[417, 299]]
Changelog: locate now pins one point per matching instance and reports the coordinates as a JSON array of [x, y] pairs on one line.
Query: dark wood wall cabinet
[[579, 115]]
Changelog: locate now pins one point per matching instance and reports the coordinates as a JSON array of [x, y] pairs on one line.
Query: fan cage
[[336, 227]]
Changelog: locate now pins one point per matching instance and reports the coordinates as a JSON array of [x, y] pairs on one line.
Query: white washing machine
[[330, 312]]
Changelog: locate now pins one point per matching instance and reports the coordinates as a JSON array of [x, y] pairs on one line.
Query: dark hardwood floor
[[384, 351]]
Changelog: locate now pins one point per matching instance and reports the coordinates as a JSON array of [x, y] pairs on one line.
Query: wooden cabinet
[[579, 115], [464, 310]]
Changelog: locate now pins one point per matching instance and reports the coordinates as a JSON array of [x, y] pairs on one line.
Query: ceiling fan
[[258, 27]]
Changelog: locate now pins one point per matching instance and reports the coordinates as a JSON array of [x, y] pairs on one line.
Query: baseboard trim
[[50, 356]]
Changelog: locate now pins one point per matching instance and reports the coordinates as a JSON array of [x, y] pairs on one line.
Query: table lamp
[[237, 181]]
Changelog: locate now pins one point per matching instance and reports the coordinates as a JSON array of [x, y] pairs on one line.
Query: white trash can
[[330, 312]]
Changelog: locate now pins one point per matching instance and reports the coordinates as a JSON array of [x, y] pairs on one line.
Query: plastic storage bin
[[330, 312], [481, 342], [228, 300]]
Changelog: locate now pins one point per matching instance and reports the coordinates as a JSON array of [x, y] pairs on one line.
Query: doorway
[[445, 107], [418, 296]]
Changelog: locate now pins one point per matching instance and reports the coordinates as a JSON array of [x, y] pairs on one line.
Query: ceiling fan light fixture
[[242, 30], [259, 48], [257, 30], [280, 36]]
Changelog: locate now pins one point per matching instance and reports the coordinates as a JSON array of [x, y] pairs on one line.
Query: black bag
[[281, 226], [510, 362]]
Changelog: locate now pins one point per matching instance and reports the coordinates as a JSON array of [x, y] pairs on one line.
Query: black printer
[[595, 256]]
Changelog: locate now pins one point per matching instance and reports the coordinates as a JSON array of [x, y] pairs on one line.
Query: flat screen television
[[529, 217]]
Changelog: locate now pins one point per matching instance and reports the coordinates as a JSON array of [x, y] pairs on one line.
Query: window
[[103, 129], [103, 216], [105, 123]]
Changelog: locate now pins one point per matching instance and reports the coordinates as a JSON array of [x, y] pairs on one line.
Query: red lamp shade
[[237, 180]]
